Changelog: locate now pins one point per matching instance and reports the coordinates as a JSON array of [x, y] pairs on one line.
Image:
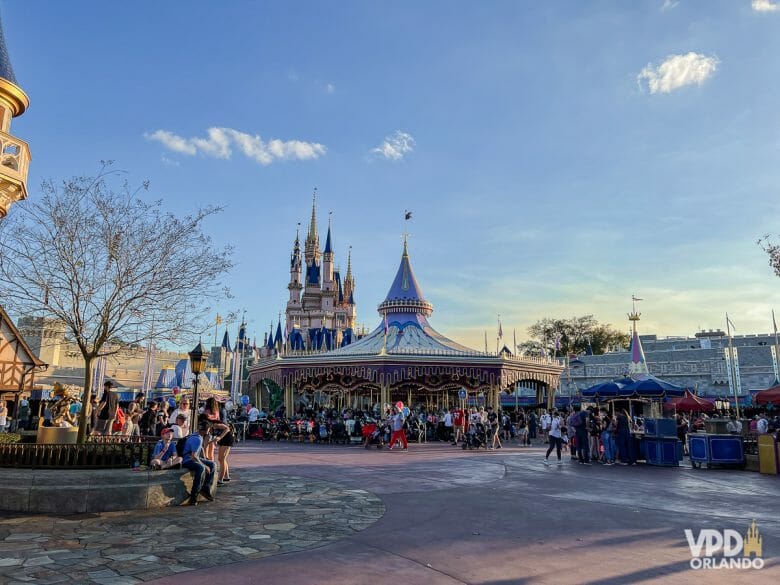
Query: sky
[[558, 157]]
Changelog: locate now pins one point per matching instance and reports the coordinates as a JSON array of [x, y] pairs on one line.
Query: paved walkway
[[263, 514], [452, 516]]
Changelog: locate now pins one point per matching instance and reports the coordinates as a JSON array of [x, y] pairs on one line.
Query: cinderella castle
[[320, 312]]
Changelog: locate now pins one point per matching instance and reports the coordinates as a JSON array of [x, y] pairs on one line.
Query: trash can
[[767, 455]]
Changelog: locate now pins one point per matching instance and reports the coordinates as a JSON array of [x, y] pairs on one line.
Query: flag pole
[[733, 365]]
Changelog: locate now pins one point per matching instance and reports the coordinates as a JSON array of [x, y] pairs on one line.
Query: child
[[164, 455], [565, 439]]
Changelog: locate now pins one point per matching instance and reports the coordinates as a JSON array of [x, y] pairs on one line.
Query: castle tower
[[329, 292], [45, 336], [295, 286], [14, 153]]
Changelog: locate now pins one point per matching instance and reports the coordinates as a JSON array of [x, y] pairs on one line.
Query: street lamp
[[198, 357]]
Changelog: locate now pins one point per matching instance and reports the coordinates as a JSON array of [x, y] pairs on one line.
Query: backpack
[[180, 446], [119, 421]]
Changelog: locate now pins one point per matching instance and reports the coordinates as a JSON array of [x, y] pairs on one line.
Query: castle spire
[[16, 153], [328, 248], [312, 236]]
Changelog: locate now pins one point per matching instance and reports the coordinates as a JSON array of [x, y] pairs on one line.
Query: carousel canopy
[[405, 313]]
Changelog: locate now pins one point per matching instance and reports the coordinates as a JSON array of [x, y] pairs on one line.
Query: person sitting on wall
[[194, 460], [164, 455]]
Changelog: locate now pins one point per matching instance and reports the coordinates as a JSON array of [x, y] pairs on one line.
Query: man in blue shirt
[[194, 460], [164, 455]]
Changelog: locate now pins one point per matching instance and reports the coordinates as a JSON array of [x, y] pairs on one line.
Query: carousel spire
[[638, 365]]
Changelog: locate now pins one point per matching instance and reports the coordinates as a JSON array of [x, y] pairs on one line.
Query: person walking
[[398, 419], [556, 438], [492, 421]]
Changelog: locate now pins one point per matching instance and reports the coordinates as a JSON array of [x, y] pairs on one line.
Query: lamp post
[[198, 357]]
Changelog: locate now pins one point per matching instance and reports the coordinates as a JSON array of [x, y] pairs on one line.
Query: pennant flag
[[500, 329], [387, 326], [219, 319], [558, 343]]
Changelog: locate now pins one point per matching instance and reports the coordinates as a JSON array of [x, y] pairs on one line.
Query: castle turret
[[328, 285], [14, 153], [295, 285]]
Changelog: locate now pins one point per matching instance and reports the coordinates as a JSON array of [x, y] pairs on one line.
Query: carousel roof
[[405, 312]]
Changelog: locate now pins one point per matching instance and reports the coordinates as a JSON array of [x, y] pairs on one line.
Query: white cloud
[[765, 6], [169, 162], [220, 142], [396, 146], [330, 88], [669, 4], [677, 71]]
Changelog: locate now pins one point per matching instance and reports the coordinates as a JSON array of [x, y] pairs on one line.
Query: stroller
[[476, 437], [373, 434]]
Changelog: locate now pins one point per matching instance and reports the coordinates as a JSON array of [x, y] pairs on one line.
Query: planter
[[57, 435]]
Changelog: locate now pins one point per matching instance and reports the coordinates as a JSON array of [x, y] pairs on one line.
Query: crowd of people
[[204, 450]]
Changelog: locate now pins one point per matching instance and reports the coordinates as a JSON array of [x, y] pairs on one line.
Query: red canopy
[[769, 395], [692, 403]]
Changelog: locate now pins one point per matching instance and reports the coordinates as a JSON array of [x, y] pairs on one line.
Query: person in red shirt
[[458, 422]]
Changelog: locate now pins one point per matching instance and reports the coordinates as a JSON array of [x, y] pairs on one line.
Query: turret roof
[[328, 248], [6, 69]]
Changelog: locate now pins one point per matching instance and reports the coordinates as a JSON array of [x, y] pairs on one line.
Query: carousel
[[405, 359]]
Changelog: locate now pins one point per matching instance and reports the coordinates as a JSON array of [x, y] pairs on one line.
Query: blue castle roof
[[6, 70], [328, 248]]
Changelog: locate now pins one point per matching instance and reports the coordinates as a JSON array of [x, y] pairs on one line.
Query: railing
[[91, 455]]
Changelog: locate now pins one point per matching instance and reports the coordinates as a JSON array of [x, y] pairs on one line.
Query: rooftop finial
[[312, 235]]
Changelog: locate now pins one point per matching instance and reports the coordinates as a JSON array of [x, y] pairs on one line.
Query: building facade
[[700, 362]]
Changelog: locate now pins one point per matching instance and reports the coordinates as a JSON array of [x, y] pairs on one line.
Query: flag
[[387, 327], [500, 329], [773, 320], [486, 349], [558, 343], [407, 215], [219, 319]]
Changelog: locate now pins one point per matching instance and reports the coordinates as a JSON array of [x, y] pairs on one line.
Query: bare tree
[[772, 250], [116, 268]]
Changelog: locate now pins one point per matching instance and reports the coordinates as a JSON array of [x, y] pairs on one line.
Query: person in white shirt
[[185, 410], [734, 426], [447, 425], [555, 437], [253, 414], [180, 428], [545, 421]]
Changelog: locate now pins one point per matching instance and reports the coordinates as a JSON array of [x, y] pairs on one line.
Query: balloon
[[406, 410], [399, 405], [172, 402], [245, 400], [175, 390]]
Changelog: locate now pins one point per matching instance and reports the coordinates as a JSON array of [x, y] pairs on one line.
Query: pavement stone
[[124, 548]]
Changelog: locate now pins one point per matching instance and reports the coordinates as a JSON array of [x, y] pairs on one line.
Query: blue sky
[[557, 156]]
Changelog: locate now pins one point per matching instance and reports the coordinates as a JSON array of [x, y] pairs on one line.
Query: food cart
[[715, 446]]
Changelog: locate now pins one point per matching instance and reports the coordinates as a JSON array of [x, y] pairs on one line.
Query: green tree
[[572, 335]]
